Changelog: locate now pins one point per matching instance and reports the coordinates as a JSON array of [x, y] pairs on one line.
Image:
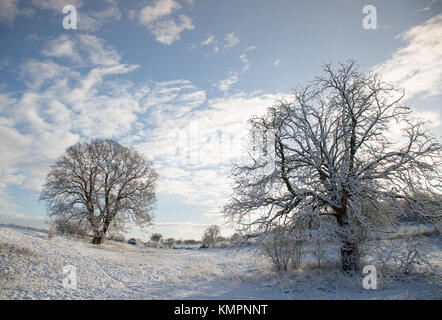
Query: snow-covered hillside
[[31, 267]]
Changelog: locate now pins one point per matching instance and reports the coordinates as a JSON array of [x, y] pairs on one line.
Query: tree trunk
[[98, 239], [99, 235], [349, 247], [349, 256]]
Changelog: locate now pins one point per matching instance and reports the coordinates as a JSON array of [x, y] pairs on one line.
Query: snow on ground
[[31, 267]]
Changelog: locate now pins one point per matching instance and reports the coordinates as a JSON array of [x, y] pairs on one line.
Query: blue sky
[[177, 80]]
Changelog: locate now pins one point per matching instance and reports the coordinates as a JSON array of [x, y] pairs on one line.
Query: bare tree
[[283, 247], [210, 235], [332, 153], [102, 183]]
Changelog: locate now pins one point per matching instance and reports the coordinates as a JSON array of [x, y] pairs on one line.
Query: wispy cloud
[[226, 84], [59, 105], [201, 147], [191, 140], [9, 10], [276, 63], [417, 66], [160, 9], [56, 5], [93, 21], [209, 40], [231, 40], [82, 48], [87, 21], [61, 47], [250, 48], [244, 59], [428, 6]]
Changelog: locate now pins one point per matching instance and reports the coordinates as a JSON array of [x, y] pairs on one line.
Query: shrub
[[281, 247], [52, 230], [320, 238], [72, 227], [170, 242], [117, 238], [401, 259], [156, 237]]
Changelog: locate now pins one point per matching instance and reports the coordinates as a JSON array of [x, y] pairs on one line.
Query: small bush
[[117, 238], [156, 237], [170, 242], [401, 259], [72, 228], [282, 248], [52, 230], [320, 239], [7, 248]]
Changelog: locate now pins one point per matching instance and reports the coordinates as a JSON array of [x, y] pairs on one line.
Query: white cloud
[[8, 11], [209, 40], [160, 9], [112, 12], [82, 48], [37, 73], [250, 48], [276, 63], [87, 21], [98, 52], [226, 84], [168, 31], [246, 61], [428, 6], [56, 5], [417, 66], [194, 150], [231, 40], [60, 105], [158, 21], [60, 47]]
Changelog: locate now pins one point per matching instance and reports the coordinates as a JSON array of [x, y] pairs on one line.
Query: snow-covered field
[[31, 267]]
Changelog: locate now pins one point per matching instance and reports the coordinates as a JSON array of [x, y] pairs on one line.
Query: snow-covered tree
[[102, 183], [334, 152], [210, 235]]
